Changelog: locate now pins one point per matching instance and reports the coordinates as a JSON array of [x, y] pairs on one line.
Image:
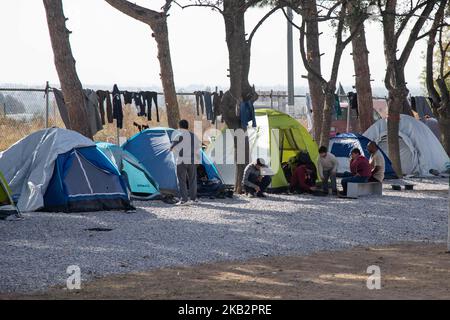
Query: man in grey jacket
[[254, 182], [186, 148], [328, 165]]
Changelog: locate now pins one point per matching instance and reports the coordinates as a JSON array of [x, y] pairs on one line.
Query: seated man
[[377, 163], [360, 169], [254, 182], [302, 180], [206, 187]]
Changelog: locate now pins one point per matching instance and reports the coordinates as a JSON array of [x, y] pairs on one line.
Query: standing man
[[377, 163], [254, 182], [186, 148], [360, 168], [328, 166]]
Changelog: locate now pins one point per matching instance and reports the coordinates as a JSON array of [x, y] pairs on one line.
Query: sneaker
[[251, 195], [182, 203], [193, 201], [261, 195]]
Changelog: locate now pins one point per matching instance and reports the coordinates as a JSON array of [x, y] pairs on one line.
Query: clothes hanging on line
[[92, 111], [217, 100], [353, 102], [208, 105], [138, 102], [117, 107], [90, 106], [62, 107], [102, 97], [148, 98], [421, 106], [127, 97], [200, 103]]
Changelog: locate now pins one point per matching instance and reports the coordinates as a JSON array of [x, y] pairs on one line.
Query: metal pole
[[290, 59], [47, 87]]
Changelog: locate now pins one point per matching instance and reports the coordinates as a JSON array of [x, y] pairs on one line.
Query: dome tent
[[7, 206], [420, 150], [152, 148], [342, 145], [140, 182], [276, 138], [61, 170]]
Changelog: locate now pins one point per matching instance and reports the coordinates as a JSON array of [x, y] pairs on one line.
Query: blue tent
[[152, 148], [140, 182], [342, 145], [85, 180]]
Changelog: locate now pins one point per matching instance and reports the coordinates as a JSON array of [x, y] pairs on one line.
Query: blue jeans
[[355, 179]]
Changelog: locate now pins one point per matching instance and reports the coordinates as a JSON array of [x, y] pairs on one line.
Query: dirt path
[[408, 271]]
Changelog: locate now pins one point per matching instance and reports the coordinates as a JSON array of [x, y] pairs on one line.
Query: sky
[[110, 47]]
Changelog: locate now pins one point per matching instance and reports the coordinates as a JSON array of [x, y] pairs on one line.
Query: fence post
[[47, 87]]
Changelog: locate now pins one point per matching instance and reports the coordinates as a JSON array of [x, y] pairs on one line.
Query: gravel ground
[[36, 252]]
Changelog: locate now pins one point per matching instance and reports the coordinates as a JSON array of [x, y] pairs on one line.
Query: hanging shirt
[[247, 113], [117, 107]]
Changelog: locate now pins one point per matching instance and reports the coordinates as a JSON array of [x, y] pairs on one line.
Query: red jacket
[[301, 179], [360, 166]]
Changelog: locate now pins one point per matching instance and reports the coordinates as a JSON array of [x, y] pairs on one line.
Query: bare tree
[[239, 53], [337, 13], [360, 56], [313, 56], [65, 67], [438, 88], [394, 26], [157, 21]]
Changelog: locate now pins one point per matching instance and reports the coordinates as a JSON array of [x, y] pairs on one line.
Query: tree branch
[[266, 16], [137, 12]]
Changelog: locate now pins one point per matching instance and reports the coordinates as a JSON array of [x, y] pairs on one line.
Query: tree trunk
[[441, 103], [362, 78], [327, 112], [239, 66], [65, 66], [161, 35], [158, 24], [395, 103], [313, 54]]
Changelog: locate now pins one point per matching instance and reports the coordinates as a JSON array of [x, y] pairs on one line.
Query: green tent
[[276, 138], [7, 206]]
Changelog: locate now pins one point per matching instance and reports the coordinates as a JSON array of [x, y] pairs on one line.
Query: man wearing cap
[[254, 182]]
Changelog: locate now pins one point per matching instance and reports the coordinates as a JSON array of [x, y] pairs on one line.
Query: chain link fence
[[26, 110]]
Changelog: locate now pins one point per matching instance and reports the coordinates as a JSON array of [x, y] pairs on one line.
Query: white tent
[[28, 164], [420, 150]]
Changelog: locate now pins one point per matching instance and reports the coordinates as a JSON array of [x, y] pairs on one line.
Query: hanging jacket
[[117, 107], [127, 97], [62, 107], [247, 113], [92, 111]]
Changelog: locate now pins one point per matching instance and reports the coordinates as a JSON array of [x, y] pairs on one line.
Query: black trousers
[[149, 97], [262, 184]]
